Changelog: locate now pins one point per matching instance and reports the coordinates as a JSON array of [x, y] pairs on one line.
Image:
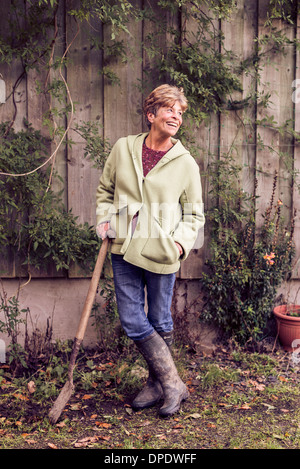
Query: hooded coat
[[168, 202]]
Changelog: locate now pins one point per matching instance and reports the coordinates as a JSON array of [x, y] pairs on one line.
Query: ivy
[[33, 220], [116, 14]]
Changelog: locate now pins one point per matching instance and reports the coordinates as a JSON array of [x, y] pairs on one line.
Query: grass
[[239, 400]]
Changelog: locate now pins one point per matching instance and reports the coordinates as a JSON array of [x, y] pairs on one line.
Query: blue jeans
[[130, 282]]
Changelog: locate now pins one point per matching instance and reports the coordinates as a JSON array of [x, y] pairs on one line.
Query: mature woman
[[149, 201]]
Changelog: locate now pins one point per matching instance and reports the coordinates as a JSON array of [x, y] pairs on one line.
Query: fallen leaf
[[258, 386], [61, 424], [103, 424], [283, 379], [52, 446], [80, 445], [244, 407], [161, 436], [76, 406], [145, 423], [31, 387], [279, 437], [29, 441], [21, 396], [126, 431], [86, 397], [270, 407], [88, 439], [193, 416], [102, 437]]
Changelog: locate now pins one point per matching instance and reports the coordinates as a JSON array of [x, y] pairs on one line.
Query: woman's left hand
[[179, 248]]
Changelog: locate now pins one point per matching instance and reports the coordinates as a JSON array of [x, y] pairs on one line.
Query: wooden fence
[[118, 109]]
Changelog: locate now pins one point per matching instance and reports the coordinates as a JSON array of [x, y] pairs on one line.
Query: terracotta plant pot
[[288, 326]]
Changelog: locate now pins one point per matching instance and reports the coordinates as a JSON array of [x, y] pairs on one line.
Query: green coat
[[168, 201]]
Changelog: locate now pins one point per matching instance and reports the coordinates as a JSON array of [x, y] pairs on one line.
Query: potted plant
[[288, 325]]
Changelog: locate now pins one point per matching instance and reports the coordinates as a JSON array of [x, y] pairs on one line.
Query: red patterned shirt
[[150, 158]]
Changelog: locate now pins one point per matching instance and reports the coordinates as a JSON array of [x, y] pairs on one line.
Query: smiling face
[[167, 120]]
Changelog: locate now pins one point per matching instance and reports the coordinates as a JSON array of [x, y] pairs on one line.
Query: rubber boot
[[160, 362], [149, 395], [168, 338], [152, 391]]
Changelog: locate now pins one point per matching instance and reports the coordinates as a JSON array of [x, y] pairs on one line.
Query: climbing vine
[[33, 220]]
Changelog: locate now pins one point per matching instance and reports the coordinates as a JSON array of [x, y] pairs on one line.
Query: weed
[[216, 375]]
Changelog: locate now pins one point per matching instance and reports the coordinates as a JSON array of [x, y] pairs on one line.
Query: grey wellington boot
[[149, 395], [152, 391], [160, 362], [168, 338]]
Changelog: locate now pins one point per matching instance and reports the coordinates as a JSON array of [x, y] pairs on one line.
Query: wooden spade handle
[[92, 290]]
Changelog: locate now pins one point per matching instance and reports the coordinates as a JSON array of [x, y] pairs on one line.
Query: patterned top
[[150, 158]]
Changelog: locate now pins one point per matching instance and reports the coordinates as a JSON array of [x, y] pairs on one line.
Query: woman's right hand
[[104, 230]]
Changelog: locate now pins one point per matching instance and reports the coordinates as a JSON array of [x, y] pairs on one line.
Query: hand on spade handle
[[104, 230]]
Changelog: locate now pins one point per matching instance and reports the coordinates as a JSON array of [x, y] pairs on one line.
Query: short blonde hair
[[164, 95]]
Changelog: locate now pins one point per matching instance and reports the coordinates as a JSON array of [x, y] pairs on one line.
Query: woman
[[149, 200]]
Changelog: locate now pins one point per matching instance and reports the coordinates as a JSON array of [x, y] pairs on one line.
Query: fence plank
[[123, 101], [60, 184], [38, 104], [267, 160], [14, 111], [277, 76], [296, 192], [85, 84], [287, 70], [249, 85], [207, 140]]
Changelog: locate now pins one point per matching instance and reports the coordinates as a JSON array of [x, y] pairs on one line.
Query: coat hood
[[135, 145]]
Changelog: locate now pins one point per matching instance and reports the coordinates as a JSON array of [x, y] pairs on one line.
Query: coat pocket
[[160, 247]]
